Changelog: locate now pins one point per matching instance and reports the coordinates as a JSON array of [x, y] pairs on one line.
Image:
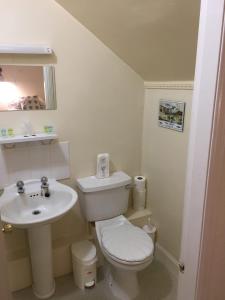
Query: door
[[211, 275], [204, 102]]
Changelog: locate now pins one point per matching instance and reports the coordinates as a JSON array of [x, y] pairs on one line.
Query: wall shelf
[[32, 138], [138, 217], [133, 214]]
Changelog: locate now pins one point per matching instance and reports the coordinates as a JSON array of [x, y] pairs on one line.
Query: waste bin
[[84, 264]]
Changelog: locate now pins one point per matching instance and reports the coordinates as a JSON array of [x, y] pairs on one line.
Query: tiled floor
[[156, 284]]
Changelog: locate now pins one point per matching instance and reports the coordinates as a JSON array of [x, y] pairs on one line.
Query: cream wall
[[100, 109], [164, 164], [156, 38]]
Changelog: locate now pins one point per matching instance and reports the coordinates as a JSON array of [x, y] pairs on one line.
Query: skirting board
[[167, 260]]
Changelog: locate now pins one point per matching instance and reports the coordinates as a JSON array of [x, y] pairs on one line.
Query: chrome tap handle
[[44, 181], [45, 187], [20, 183], [20, 186]]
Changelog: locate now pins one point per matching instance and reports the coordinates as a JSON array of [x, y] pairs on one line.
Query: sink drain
[[36, 212]]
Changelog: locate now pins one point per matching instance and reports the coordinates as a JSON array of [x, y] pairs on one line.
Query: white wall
[[100, 109], [164, 164]]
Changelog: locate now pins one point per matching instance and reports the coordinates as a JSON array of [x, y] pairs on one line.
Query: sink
[[31, 209], [34, 212]]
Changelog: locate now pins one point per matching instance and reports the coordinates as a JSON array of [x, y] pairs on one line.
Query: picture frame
[[171, 114]]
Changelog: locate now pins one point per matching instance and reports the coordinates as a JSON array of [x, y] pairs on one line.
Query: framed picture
[[171, 115]]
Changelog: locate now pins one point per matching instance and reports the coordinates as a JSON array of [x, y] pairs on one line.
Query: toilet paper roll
[[140, 182], [139, 199]]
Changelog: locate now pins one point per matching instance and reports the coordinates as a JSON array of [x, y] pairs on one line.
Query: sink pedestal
[[40, 242], [32, 211]]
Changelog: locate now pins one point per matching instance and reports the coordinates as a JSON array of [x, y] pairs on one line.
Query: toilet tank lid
[[94, 184]]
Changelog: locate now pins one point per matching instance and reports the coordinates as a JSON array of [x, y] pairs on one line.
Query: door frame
[[204, 97]]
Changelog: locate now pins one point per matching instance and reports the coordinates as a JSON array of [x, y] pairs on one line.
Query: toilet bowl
[[127, 249]]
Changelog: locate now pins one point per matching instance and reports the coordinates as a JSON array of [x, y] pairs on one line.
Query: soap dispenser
[[102, 165]]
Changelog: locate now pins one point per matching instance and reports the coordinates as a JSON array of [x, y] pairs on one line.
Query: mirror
[[26, 87]]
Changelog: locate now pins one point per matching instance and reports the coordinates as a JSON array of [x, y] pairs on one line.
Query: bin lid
[[84, 251]]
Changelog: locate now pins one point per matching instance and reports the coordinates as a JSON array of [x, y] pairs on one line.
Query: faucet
[[45, 187], [1, 191], [20, 187]]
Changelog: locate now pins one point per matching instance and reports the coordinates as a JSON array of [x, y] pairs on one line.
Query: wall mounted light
[[25, 49]]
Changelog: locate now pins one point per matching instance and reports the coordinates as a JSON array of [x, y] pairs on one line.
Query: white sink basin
[[36, 213], [31, 209]]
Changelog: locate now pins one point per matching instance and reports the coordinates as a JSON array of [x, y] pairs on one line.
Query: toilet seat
[[127, 243], [127, 263]]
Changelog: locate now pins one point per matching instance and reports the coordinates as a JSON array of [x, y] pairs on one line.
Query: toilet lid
[[127, 242]]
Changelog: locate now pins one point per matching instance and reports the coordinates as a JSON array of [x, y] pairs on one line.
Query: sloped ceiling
[[157, 38]]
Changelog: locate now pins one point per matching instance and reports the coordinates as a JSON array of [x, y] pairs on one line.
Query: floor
[[155, 281]]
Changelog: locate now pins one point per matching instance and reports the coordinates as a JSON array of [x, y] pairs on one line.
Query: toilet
[[127, 248]]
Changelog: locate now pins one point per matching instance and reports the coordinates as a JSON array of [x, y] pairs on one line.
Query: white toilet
[[126, 248]]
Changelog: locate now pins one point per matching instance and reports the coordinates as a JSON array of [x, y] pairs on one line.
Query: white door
[[4, 287], [209, 42]]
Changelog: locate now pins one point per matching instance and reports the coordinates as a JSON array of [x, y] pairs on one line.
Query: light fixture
[[9, 93], [25, 49]]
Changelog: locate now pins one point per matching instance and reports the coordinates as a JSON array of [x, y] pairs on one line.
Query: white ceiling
[[157, 38]]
